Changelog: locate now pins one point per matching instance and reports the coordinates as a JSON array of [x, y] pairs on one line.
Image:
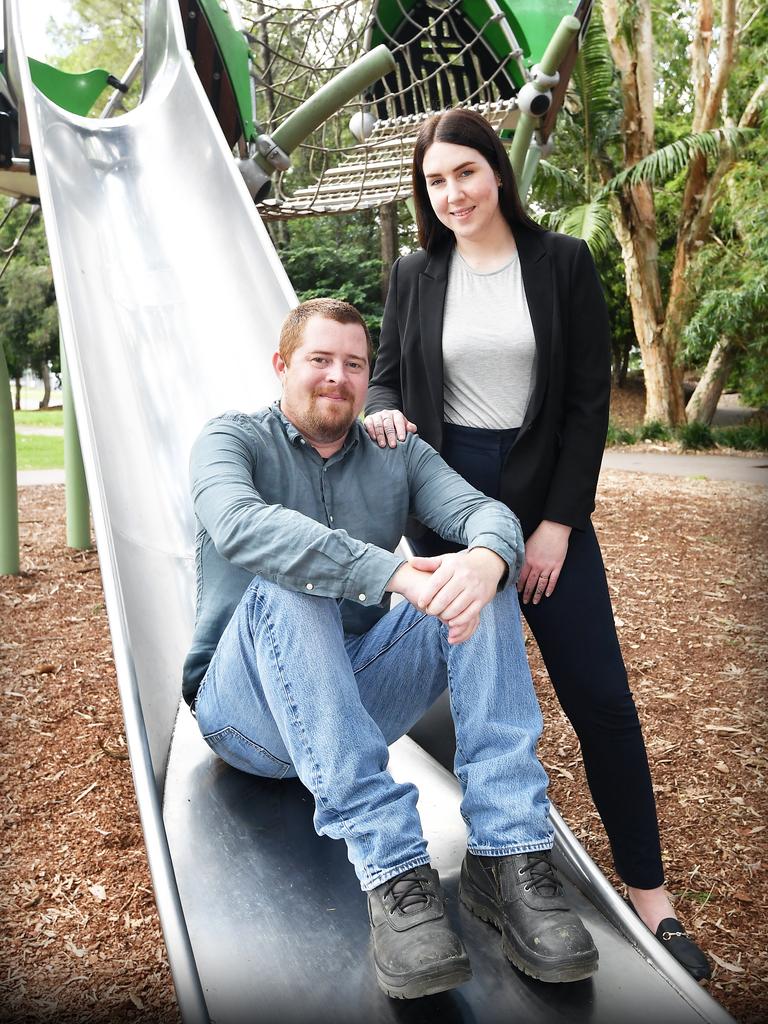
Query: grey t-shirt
[[489, 349]]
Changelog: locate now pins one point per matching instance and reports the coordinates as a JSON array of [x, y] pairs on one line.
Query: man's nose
[[335, 371]]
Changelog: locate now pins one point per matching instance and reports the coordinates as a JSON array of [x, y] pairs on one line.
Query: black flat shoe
[[673, 937]]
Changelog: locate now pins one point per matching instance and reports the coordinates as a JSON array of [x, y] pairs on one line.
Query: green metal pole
[[76, 489], [9, 507], [529, 171], [331, 97], [549, 63]]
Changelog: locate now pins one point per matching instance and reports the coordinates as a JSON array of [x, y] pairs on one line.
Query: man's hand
[[411, 582], [388, 427], [545, 552], [460, 585]]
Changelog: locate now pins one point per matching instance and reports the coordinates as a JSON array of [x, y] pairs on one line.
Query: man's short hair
[[292, 331]]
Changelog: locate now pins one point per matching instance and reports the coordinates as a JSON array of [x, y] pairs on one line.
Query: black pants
[[575, 631]]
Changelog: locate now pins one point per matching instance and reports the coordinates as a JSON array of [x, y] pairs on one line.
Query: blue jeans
[[288, 694]]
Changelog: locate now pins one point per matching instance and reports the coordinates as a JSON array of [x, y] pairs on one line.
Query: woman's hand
[[388, 427], [545, 552]]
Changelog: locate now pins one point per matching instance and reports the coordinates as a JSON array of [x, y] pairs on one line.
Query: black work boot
[[522, 897], [415, 950]]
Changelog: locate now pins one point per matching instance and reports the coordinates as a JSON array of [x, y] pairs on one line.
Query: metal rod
[[549, 63], [532, 159], [330, 98], [9, 509], [76, 489]]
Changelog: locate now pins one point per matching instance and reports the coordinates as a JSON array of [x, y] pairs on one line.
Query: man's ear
[[278, 364]]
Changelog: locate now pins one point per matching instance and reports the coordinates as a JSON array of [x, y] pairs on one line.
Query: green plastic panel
[[235, 56], [532, 21], [76, 93]]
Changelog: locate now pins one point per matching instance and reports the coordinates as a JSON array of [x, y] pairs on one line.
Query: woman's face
[[463, 189]]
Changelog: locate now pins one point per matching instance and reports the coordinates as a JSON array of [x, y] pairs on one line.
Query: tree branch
[[724, 64]]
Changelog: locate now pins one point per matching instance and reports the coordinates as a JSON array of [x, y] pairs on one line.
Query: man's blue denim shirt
[[267, 504]]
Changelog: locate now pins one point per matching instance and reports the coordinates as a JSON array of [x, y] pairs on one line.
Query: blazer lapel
[[433, 284], [536, 270]]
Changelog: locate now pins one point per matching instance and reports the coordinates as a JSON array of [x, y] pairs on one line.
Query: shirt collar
[[295, 436]]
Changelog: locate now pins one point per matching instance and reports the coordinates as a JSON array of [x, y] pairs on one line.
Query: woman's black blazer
[[551, 471]]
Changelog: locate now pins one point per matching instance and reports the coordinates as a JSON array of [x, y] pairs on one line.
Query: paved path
[[40, 431], [753, 470], [28, 477], [749, 468]]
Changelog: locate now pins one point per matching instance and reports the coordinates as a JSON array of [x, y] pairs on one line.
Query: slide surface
[[171, 296]]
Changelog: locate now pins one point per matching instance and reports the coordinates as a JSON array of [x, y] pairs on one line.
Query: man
[[298, 668]]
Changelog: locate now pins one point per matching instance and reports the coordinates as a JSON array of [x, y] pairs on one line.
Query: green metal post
[[331, 97], [529, 171], [9, 508], [76, 489], [549, 63]]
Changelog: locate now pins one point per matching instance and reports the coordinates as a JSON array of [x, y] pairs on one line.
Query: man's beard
[[327, 424]]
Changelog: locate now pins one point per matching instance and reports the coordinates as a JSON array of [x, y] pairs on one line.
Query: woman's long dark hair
[[463, 128]]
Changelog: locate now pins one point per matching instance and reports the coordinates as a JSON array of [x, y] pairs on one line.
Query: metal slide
[[170, 296]]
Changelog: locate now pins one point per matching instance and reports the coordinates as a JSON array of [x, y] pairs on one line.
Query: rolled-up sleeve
[[269, 540]]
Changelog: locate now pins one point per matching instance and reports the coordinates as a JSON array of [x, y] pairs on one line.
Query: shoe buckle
[[666, 936]]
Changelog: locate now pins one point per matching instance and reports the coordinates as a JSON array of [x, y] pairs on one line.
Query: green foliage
[[747, 437], [695, 436], [29, 326], [729, 281], [619, 435], [590, 221], [664, 163], [337, 257], [654, 431]]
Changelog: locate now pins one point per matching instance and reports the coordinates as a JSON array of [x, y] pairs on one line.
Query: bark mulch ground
[[687, 569]]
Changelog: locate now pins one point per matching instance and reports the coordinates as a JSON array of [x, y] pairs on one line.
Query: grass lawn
[[35, 451], [39, 418]]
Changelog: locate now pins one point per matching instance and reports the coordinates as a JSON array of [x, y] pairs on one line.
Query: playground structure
[[160, 259]]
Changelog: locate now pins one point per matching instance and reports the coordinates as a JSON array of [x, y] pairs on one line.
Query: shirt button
[[310, 586], [361, 597], [330, 519]]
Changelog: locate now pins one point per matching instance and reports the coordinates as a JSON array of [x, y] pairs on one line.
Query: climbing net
[[441, 61]]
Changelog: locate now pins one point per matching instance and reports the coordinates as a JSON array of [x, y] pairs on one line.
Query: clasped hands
[[453, 587]]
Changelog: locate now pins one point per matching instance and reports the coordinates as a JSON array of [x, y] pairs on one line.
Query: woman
[[495, 342]]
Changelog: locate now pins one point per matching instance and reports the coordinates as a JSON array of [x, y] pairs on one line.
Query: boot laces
[[542, 877], [410, 892]]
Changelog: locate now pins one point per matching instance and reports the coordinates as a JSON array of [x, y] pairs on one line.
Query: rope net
[[442, 60]]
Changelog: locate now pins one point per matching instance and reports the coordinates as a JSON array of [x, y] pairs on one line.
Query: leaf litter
[[688, 573]]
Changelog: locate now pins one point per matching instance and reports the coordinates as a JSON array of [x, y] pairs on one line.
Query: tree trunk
[[45, 373], [389, 244], [703, 402], [620, 348], [17, 399], [630, 36], [634, 223]]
